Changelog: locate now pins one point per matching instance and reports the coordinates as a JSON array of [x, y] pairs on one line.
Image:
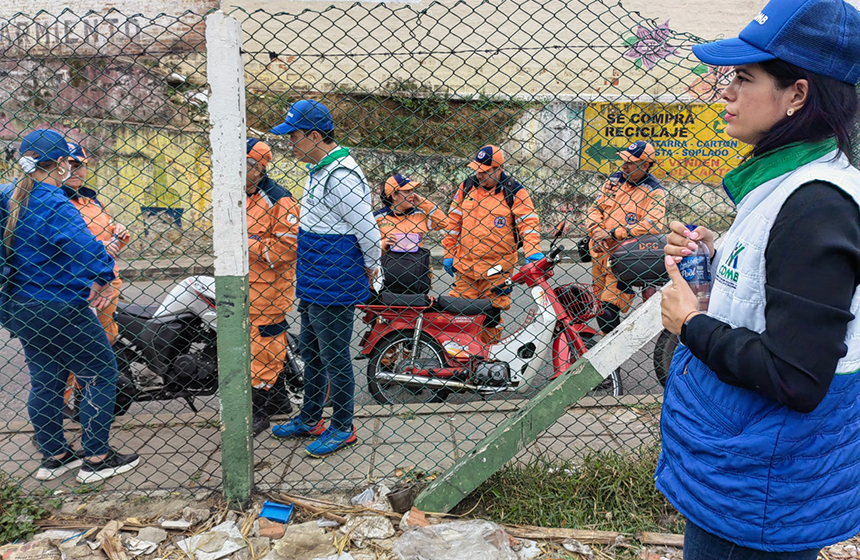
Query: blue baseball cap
[[78, 153], [821, 36], [45, 145], [305, 115]]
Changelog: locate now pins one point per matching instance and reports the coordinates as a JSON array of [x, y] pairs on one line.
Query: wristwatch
[[689, 318]]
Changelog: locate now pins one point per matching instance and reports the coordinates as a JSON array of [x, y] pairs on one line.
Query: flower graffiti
[[710, 82], [650, 46]]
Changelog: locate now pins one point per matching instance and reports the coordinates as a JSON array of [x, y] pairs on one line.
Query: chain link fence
[[607, 128]]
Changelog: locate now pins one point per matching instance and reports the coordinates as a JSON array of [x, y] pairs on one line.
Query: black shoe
[[113, 464], [259, 414], [53, 468], [259, 424], [279, 399]]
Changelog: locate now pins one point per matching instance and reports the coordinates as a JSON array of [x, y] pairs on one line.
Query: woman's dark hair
[[830, 110]]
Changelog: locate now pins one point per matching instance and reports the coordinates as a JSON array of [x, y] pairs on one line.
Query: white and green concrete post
[[226, 76]]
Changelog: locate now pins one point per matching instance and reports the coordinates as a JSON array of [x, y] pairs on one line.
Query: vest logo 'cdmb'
[[728, 272]]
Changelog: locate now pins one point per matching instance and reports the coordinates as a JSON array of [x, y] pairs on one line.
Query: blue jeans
[[60, 337], [701, 545], [324, 344]]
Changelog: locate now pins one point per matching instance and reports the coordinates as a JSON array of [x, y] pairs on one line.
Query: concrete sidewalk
[[183, 451]]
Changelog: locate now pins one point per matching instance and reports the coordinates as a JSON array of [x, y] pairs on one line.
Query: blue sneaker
[[295, 428], [331, 441]]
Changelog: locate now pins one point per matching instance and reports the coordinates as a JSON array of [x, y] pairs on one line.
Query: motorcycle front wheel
[[394, 355], [609, 387]]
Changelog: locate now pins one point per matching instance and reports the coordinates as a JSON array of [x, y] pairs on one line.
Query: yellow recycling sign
[[690, 138]]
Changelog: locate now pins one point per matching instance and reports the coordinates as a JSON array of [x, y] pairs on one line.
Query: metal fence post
[[227, 115]]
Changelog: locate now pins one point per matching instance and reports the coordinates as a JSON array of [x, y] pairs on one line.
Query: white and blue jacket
[[338, 236]]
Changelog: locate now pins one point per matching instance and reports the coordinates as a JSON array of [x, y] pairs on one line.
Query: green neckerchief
[[758, 170], [333, 155]]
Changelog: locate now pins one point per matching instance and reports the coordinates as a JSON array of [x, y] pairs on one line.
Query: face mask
[[28, 164]]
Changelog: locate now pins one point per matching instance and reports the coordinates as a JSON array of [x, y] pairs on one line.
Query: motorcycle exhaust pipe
[[425, 382]]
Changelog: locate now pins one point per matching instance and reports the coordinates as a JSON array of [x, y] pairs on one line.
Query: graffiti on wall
[[107, 31], [690, 138]]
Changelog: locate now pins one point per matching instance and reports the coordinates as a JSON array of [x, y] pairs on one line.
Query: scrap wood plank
[[664, 539], [559, 534]]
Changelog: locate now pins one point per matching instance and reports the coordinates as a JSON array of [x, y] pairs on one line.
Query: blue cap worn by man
[[306, 115], [338, 254]]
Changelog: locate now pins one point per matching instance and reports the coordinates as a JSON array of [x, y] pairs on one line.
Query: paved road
[[637, 373]]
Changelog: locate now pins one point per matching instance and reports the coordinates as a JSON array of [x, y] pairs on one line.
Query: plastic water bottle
[[696, 270]]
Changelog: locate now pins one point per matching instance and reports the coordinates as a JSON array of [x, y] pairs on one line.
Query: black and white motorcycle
[[169, 351]]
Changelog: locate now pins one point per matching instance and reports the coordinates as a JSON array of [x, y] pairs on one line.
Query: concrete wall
[[515, 47]]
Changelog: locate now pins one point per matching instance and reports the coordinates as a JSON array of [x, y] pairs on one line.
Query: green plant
[[18, 512]]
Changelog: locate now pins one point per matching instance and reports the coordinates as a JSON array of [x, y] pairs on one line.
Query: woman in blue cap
[[59, 271], [761, 415]]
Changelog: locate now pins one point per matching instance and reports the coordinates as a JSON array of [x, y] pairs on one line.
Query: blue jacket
[[55, 257], [338, 236], [330, 270], [718, 439]]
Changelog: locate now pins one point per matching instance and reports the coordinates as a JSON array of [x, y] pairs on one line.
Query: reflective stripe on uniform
[[527, 216]]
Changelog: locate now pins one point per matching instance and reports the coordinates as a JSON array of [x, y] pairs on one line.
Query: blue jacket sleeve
[[69, 232]]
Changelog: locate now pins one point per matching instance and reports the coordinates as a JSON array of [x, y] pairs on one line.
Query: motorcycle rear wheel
[[393, 355], [125, 395], [294, 372]]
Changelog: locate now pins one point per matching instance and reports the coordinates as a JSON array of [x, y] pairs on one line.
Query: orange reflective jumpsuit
[[625, 210], [102, 226], [480, 236], [421, 219], [273, 228]]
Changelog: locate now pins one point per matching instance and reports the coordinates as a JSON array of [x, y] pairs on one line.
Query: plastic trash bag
[[475, 539]]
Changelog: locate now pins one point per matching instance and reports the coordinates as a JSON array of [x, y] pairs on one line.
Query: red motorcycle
[[422, 348]]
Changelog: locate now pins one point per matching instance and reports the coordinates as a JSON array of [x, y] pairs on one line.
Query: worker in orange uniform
[[491, 215], [404, 221], [631, 203], [113, 235], [273, 227]]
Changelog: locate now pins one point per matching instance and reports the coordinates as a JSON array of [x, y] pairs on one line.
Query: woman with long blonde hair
[[59, 274]]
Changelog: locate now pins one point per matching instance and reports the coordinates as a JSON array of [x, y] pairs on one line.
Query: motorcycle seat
[[402, 300], [462, 306], [139, 311]]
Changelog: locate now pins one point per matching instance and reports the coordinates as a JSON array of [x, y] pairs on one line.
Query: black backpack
[[509, 188], [406, 273]]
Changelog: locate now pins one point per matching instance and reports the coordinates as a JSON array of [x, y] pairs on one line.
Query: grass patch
[[18, 511], [607, 491]]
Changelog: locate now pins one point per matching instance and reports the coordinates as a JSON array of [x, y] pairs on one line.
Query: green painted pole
[[508, 439], [226, 76]]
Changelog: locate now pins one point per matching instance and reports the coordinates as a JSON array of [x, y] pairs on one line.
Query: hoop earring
[[61, 172], [790, 112]]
